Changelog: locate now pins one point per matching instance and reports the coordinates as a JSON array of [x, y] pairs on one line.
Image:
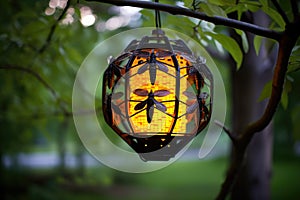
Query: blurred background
[[43, 44]]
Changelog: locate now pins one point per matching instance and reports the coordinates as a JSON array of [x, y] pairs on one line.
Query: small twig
[[35, 75], [53, 28], [281, 12], [176, 10], [226, 130], [196, 32], [194, 4], [62, 103]]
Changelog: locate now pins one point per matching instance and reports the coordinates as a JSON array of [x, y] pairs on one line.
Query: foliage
[[25, 99], [40, 56]]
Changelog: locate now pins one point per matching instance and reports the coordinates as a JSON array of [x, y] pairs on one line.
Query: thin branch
[[176, 10], [281, 12], [53, 28], [62, 103], [227, 131], [285, 48], [194, 4], [35, 75]]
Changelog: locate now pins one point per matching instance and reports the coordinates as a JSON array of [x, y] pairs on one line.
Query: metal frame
[[165, 146]]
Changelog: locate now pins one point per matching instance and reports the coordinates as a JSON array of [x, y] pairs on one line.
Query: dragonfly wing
[[152, 73], [117, 95], [141, 92], [116, 109], [150, 112], [189, 94], [191, 108], [161, 54], [161, 93], [160, 106], [140, 105], [162, 67], [143, 68]]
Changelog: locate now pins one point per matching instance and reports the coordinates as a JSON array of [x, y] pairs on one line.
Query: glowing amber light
[[157, 96], [161, 122]]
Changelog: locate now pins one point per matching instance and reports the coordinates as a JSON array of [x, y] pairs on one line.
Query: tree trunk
[[61, 137], [80, 163], [253, 182]]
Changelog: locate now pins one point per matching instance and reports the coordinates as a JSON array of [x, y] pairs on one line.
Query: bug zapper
[[157, 95]]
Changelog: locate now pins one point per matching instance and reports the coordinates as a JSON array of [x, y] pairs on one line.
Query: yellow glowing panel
[[161, 122]]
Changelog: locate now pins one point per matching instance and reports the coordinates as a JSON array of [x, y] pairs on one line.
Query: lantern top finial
[[158, 32]]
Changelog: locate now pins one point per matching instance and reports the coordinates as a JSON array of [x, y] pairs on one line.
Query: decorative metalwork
[[157, 95]]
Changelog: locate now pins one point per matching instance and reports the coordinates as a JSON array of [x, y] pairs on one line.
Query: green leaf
[[252, 5], [147, 17], [294, 61], [242, 7], [223, 2], [266, 92], [257, 43], [264, 3], [274, 15], [212, 10], [293, 67], [180, 23], [244, 40], [230, 45]]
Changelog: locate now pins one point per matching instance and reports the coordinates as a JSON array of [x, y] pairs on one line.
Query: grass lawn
[[286, 179], [180, 180]]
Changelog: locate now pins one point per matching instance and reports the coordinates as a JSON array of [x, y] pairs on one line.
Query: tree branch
[[176, 10], [53, 28], [286, 44], [62, 103], [227, 131], [35, 75]]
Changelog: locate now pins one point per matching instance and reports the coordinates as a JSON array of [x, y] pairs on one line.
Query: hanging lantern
[[157, 95]]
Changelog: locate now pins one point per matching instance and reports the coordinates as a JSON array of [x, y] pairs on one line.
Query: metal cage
[[157, 95]]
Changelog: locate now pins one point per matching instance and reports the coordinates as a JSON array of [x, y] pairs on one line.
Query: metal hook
[[157, 17]]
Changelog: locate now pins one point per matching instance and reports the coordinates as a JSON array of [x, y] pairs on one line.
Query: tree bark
[[253, 182], [61, 137]]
